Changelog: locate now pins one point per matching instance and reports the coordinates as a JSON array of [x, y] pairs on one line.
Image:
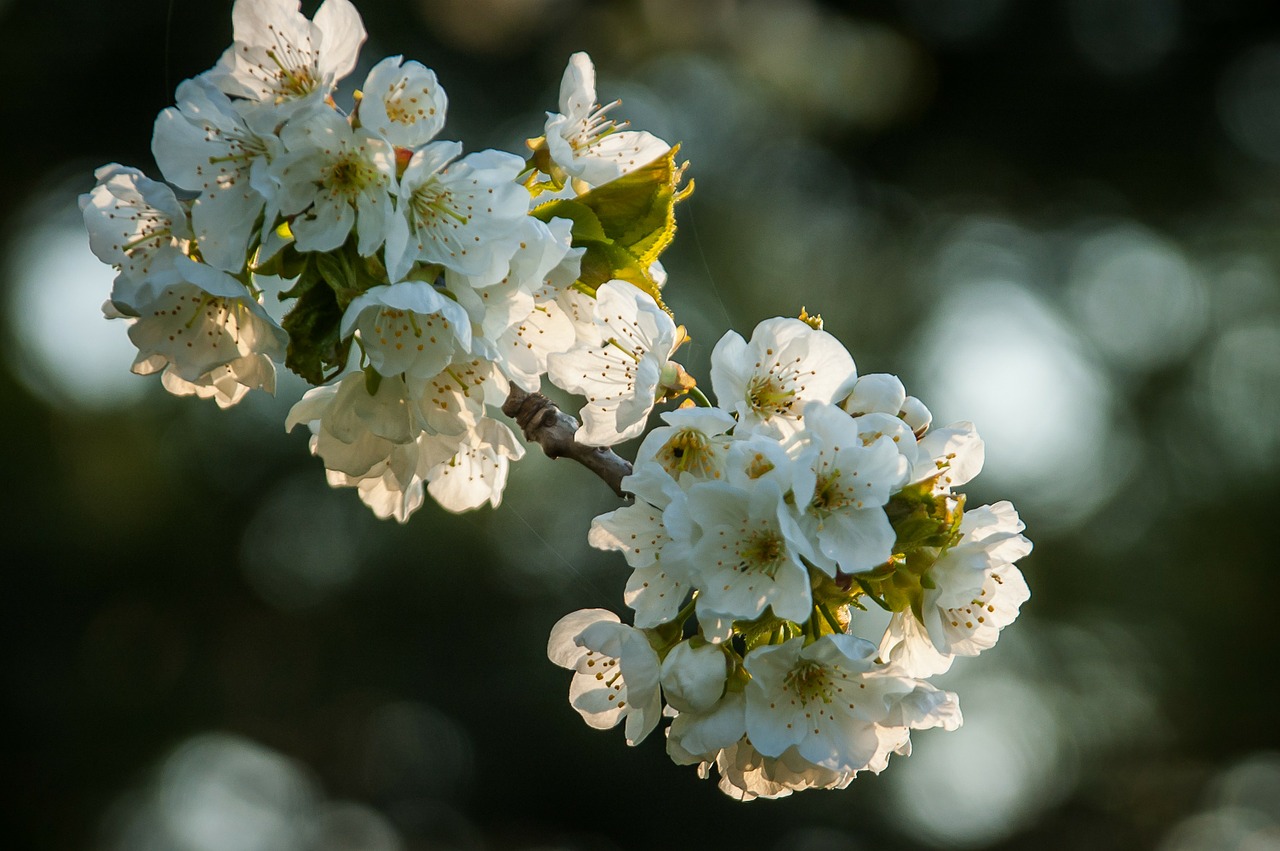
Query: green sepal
[[372, 380]]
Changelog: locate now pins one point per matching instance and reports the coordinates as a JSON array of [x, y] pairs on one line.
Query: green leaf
[[604, 262], [637, 211], [586, 226], [625, 224], [338, 272], [313, 328]]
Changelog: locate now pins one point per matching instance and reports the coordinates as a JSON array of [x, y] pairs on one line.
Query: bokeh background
[[1059, 219]]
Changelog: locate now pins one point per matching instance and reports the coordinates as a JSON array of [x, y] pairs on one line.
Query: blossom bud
[[693, 677], [879, 393]]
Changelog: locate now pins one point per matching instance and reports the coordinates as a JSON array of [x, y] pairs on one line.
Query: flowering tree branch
[[551, 428]]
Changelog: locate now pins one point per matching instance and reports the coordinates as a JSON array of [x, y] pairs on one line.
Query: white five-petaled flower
[[221, 149], [615, 669], [475, 468], [749, 557], [403, 102], [766, 382], [280, 57], [408, 328], [217, 345], [660, 579], [464, 214], [334, 179], [584, 141], [692, 443], [833, 703], [975, 590], [852, 467], [137, 225], [619, 368]]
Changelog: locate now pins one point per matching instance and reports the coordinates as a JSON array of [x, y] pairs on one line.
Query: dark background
[[1056, 219]]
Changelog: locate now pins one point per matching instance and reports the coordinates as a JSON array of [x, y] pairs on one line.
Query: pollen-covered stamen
[[832, 493], [595, 127], [295, 73], [779, 389], [809, 682], [762, 551], [688, 451], [433, 206], [404, 107], [349, 175]]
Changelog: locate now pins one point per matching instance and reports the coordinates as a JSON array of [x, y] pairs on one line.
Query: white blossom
[[749, 556], [615, 671], [766, 382], [855, 466], [280, 57], [221, 149], [643, 533], [334, 179], [586, 143], [464, 214], [620, 371], [408, 328], [476, 472], [693, 676], [137, 225], [831, 701], [403, 102], [692, 443], [974, 591]]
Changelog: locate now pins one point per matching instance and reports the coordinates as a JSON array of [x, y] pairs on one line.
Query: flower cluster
[[424, 282], [801, 561], [765, 535]]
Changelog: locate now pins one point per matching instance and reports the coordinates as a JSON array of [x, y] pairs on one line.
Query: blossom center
[[768, 395], [762, 552], [349, 175], [433, 205], [689, 450], [809, 681]]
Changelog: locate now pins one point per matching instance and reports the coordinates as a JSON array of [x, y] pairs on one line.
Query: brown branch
[[552, 429]]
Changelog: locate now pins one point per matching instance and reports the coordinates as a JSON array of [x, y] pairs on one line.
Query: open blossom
[[692, 443], [404, 102], [139, 226], [408, 328], [464, 214], [852, 468], [767, 381], [975, 591], [615, 671], [221, 149], [334, 179], [280, 57], [476, 471], [620, 369], [831, 701], [643, 532], [584, 141], [217, 345], [749, 557]]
